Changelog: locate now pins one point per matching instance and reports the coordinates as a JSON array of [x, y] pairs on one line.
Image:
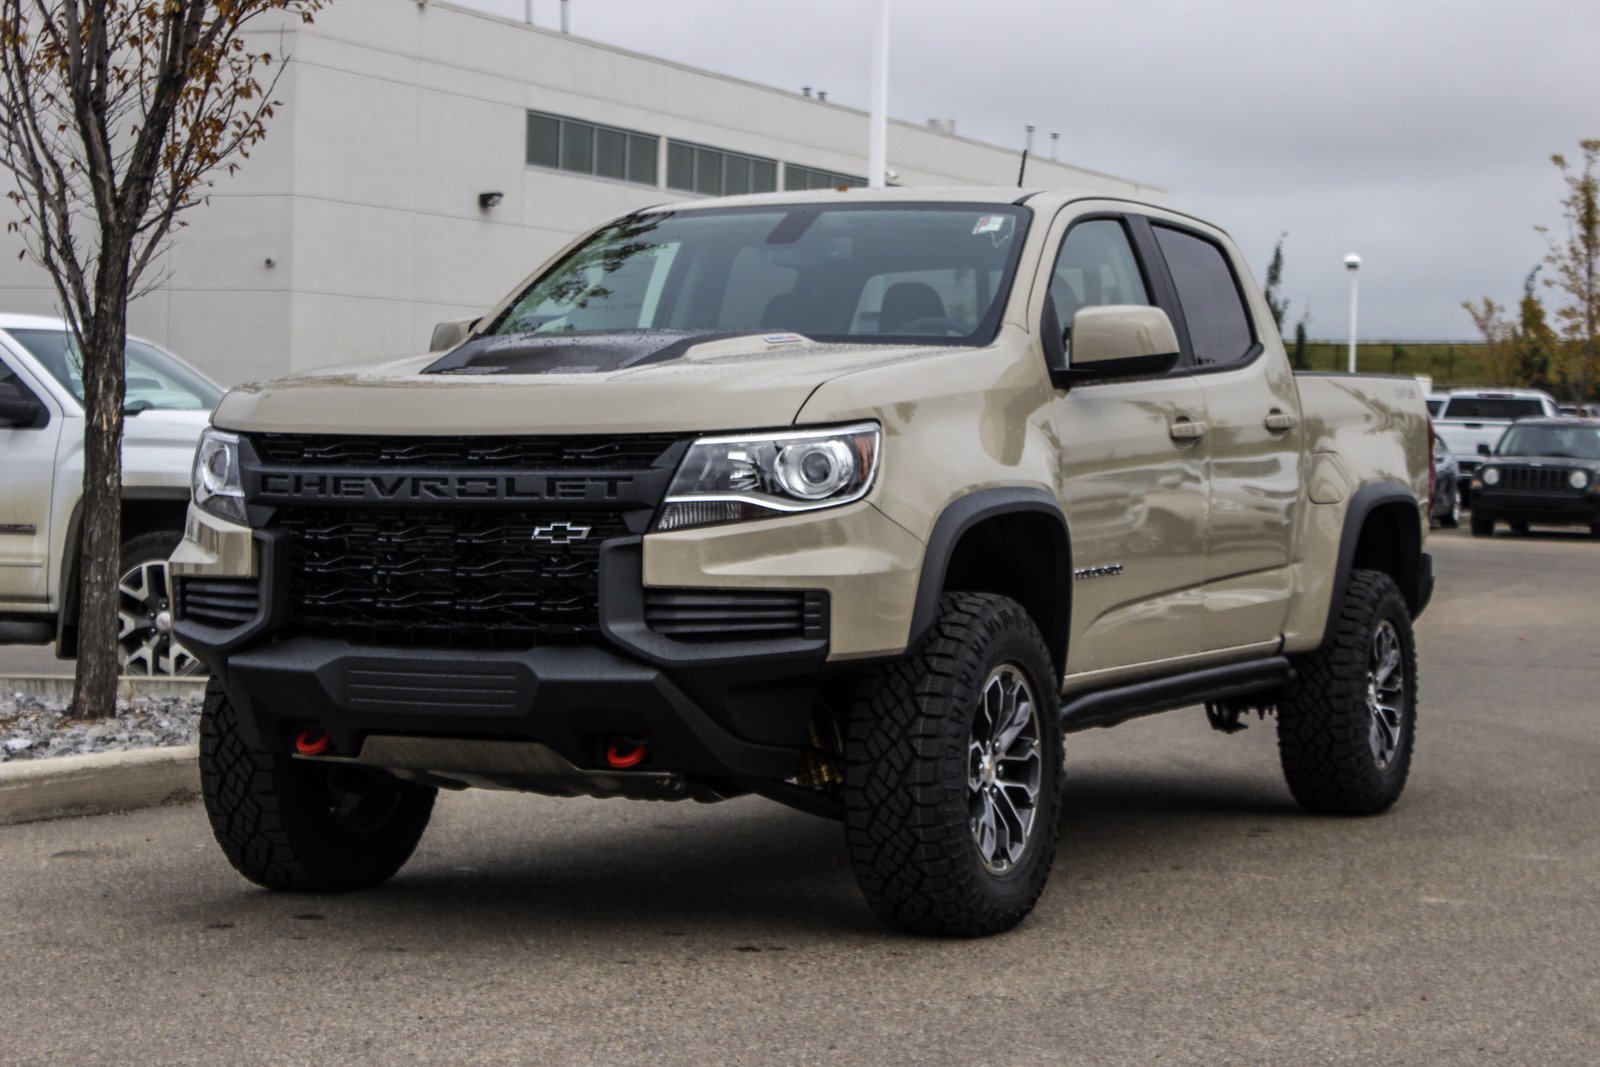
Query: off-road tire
[[1519, 528], [1482, 527], [908, 744], [280, 822], [1325, 723]]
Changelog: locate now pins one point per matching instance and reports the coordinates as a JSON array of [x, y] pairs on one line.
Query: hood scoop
[[569, 353]]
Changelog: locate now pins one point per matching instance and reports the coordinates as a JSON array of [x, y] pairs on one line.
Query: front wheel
[[1348, 722], [145, 645], [953, 774], [303, 825], [1481, 526]]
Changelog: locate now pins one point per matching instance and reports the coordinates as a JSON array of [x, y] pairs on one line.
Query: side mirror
[[19, 408], [1484, 450], [1112, 341], [447, 335]]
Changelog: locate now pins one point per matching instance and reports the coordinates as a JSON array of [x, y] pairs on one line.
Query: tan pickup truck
[[860, 501]]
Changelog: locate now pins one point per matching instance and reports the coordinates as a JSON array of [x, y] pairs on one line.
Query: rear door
[[1133, 472], [27, 474], [1254, 413]]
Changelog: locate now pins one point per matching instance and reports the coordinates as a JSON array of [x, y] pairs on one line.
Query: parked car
[[1436, 402], [1475, 417], [856, 501], [1445, 505], [1544, 471], [168, 403]]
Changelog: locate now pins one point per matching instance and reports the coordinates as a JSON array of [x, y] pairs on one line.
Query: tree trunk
[[94, 691]]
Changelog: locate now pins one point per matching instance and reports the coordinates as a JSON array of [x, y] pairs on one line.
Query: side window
[[1208, 293], [1096, 266]]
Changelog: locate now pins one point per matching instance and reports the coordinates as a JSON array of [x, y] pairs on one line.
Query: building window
[[585, 148], [713, 172], [797, 177]]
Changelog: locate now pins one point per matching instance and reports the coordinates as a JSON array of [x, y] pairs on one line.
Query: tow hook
[[312, 742], [625, 752]]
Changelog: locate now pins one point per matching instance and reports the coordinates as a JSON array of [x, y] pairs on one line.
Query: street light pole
[[1352, 264], [878, 120]]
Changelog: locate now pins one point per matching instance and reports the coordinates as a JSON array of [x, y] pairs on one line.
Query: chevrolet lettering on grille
[[276, 486]]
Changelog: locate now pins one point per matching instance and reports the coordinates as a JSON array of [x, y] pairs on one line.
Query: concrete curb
[[62, 786], [59, 686]]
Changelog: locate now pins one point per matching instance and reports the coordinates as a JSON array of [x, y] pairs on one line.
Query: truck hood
[[625, 383], [163, 427]]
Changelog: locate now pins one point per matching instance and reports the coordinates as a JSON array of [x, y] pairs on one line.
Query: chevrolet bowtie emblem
[[560, 533]]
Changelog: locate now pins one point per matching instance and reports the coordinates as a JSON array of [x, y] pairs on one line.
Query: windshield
[[1572, 442], [1488, 407], [877, 272], [155, 379]]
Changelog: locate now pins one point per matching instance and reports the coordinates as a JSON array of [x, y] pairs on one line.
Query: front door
[[1133, 476], [27, 474]]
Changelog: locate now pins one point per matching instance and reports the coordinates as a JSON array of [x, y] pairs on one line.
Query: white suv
[[41, 483], [1473, 417]]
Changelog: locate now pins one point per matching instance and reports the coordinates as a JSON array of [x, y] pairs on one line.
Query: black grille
[[221, 602], [624, 452], [736, 615], [445, 578], [1535, 480]]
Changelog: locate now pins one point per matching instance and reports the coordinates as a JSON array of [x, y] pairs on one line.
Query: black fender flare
[[963, 514], [1416, 567], [71, 584]]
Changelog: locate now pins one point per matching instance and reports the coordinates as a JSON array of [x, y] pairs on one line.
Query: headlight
[[1491, 476], [1578, 479], [216, 476], [734, 479]]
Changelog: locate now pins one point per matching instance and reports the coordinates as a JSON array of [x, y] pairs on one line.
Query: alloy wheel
[[1386, 693], [1004, 769], [145, 644]]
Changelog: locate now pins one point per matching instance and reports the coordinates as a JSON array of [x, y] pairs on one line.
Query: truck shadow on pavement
[[488, 872]]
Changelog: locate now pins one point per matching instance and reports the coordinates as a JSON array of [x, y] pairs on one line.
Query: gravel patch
[[33, 727]]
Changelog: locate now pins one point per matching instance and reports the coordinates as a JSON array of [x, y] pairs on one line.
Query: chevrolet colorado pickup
[[168, 404], [858, 501]]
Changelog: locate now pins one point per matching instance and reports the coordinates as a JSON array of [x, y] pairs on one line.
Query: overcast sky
[[1417, 133]]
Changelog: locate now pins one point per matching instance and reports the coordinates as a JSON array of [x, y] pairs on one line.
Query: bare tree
[[1499, 336], [1574, 259], [114, 118]]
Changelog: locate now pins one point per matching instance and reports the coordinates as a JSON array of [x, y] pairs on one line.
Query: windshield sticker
[[783, 338], [989, 224]]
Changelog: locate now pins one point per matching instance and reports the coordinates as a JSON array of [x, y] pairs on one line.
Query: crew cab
[[859, 501], [168, 403]]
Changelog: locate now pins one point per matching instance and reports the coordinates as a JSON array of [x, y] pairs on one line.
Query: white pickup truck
[[41, 484]]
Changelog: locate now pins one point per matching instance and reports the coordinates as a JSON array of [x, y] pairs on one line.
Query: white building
[[362, 220]]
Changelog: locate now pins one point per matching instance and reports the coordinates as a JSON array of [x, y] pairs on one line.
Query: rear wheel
[[1347, 724], [953, 774], [300, 824]]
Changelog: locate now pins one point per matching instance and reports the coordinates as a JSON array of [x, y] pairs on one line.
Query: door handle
[[1186, 430], [1279, 421]]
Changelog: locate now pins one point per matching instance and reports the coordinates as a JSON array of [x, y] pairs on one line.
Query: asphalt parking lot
[[1194, 915]]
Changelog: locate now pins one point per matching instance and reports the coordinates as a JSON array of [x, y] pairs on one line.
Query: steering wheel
[[928, 323]]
